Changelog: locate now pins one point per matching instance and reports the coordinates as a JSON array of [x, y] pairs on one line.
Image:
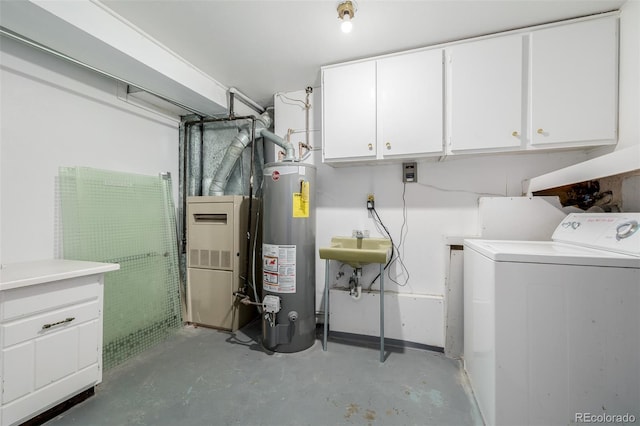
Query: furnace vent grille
[[214, 259]]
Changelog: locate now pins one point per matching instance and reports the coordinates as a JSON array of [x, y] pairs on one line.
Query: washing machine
[[552, 328]]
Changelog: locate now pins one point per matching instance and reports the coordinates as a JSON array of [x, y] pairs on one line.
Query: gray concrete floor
[[207, 377]]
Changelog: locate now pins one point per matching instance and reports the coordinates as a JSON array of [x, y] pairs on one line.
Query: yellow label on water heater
[[301, 201]]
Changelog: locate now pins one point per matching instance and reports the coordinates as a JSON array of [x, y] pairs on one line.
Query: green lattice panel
[[127, 219]]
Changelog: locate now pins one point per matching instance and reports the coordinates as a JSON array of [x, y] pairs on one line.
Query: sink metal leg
[[381, 312], [326, 305]]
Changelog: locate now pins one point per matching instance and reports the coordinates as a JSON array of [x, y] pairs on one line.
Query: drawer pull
[[64, 321]]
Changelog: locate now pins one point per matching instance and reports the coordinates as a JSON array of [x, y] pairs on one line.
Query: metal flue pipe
[[239, 143]]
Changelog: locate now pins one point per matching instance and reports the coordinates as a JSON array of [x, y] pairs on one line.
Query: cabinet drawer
[[37, 364], [49, 323], [26, 301]]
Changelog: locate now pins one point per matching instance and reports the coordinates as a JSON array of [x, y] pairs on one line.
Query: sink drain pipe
[[355, 287]]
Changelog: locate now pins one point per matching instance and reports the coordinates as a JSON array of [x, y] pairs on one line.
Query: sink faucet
[[359, 235]]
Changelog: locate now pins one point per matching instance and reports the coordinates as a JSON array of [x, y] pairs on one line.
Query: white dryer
[[552, 328]]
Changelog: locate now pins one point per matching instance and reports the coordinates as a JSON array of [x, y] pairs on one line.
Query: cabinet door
[[349, 111], [485, 93], [410, 104], [19, 373], [574, 83]]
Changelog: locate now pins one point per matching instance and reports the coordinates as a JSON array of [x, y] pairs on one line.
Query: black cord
[[378, 221], [403, 230], [394, 255]]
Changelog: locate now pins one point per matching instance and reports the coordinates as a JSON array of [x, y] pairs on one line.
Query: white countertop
[[23, 274]]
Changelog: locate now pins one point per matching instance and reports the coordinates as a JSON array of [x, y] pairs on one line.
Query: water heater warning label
[[279, 268], [301, 201]]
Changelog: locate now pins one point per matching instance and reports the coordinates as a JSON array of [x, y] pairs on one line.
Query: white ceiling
[[262, 47]]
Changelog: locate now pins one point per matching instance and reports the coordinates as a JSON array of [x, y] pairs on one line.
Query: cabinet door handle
[[388, 145], [370, 146], [516, 134], [540, 131], [64, 321]]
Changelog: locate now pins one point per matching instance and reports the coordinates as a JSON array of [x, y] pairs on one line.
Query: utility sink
[[357, 252]]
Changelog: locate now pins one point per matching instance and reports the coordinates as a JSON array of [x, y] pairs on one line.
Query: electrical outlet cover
[[410, 172]]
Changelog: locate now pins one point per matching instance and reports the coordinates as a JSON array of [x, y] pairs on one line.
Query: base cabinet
[[51, 343]]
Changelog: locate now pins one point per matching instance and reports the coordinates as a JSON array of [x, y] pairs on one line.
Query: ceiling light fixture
[[346, 12]]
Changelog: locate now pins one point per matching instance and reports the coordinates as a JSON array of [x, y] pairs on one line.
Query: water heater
[[288, 254]]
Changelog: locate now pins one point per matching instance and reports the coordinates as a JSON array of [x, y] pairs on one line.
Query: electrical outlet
[[370, 202], [410, 172]]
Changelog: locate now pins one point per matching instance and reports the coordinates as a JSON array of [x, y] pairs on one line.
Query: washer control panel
[[617, 232]]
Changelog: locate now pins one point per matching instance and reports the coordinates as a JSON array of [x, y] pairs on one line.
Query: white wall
[[56, 114], [443, 203], [629, 110], [629, 80]]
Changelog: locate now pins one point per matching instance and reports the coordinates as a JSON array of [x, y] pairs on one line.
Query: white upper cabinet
[[410, 104], [383, 108], [547, 87], [485, 94], [349, 111], [574, 83]]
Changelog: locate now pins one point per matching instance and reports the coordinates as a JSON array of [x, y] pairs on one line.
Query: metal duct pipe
[[288, 147], [239, 143], [261, 131]]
